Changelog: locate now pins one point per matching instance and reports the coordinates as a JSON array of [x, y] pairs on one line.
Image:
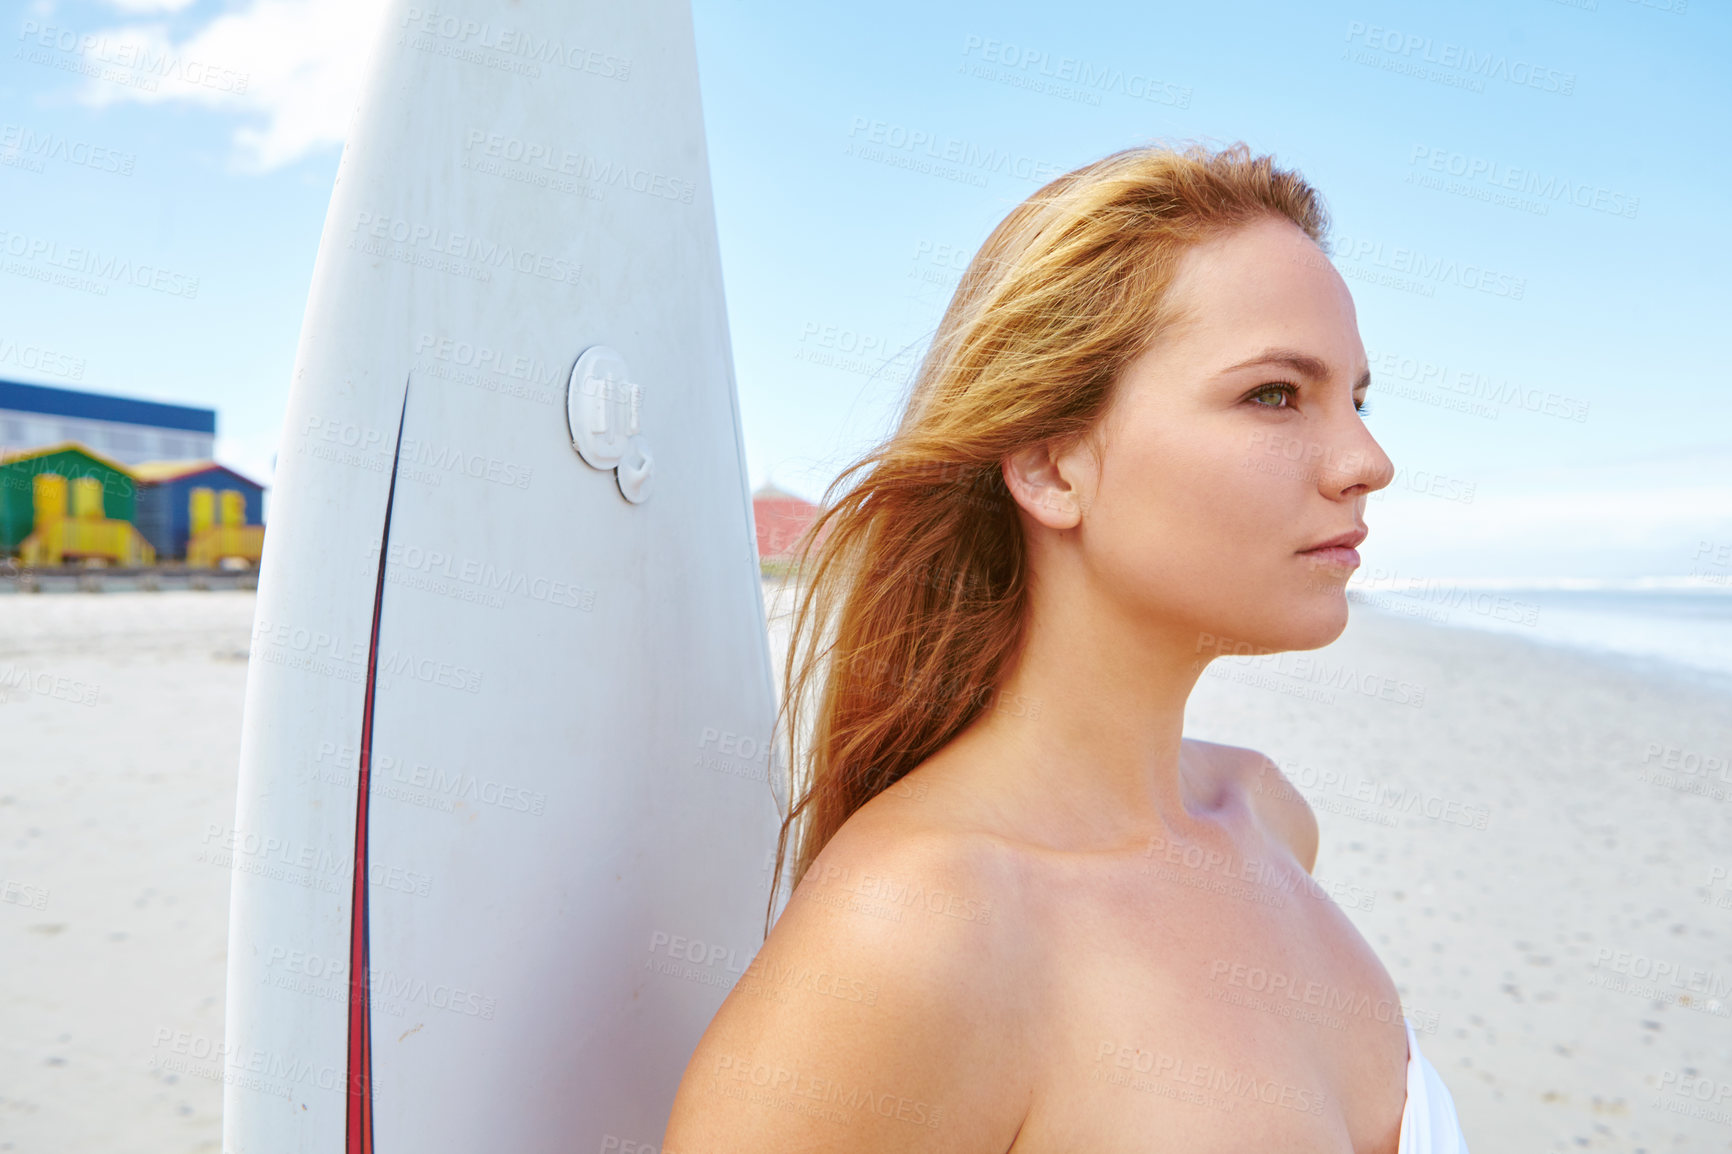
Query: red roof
[[781, 519]]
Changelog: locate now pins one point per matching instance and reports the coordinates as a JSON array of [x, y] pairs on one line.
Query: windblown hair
[[914, 571]]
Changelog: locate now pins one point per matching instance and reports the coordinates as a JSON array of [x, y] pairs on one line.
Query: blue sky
[[1531, 199]]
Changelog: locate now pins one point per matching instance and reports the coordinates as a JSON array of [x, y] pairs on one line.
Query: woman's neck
[[1081, 742]]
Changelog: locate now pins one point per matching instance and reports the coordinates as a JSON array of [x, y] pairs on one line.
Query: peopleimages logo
[[125, 62], [1227, 1087], [461, 254], [21, 894], [553, 159], [37, 147], [1441, 270], [1413, 49], [40, 359], [1694, 987], [1524, 180], [101, 269], [19, 681], [456, 32], [1472, 385], [403, 558], [1066, 76], [279, 1074], [923, 150], [445, 459], [1315, 670]]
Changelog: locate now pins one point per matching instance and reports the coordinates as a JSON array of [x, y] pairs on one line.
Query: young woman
[[1028, 914]]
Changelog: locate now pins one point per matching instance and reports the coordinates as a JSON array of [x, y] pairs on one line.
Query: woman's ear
[[1050, 486]]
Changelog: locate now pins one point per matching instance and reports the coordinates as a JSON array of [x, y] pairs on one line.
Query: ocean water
[[1680, 624]]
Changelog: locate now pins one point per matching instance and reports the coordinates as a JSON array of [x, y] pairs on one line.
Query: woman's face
[[1233, 448]]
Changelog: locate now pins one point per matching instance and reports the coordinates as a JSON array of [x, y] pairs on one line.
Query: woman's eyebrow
[[1304, 364]]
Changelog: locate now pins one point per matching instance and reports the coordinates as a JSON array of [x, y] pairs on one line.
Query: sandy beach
[[1533, 839]]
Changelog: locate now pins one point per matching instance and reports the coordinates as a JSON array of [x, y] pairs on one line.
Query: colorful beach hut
[[62, 502], [201, 511]]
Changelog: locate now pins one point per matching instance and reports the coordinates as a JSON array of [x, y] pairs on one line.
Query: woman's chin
[[1312, 624], [1319, 621]]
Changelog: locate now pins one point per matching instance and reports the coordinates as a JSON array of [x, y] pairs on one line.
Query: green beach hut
[[18, 472]]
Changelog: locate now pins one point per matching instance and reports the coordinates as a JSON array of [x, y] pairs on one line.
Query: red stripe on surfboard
[[359, 1128]]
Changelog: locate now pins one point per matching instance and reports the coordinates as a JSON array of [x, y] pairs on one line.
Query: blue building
[[120, 428], [164, 500]]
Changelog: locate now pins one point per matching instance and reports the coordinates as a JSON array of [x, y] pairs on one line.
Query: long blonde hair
[[914, 570]]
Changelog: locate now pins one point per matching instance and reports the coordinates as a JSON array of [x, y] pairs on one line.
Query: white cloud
[[292, 70]]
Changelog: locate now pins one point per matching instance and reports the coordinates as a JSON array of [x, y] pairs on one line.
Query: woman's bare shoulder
[[879, 1014], [1280, 806]]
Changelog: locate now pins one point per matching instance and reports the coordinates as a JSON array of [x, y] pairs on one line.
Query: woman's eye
[[1283, 393]]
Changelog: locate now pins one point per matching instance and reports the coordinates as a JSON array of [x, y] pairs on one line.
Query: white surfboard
[[509, 654]]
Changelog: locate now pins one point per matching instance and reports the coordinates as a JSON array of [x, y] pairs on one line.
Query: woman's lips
[[1335, 555]]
